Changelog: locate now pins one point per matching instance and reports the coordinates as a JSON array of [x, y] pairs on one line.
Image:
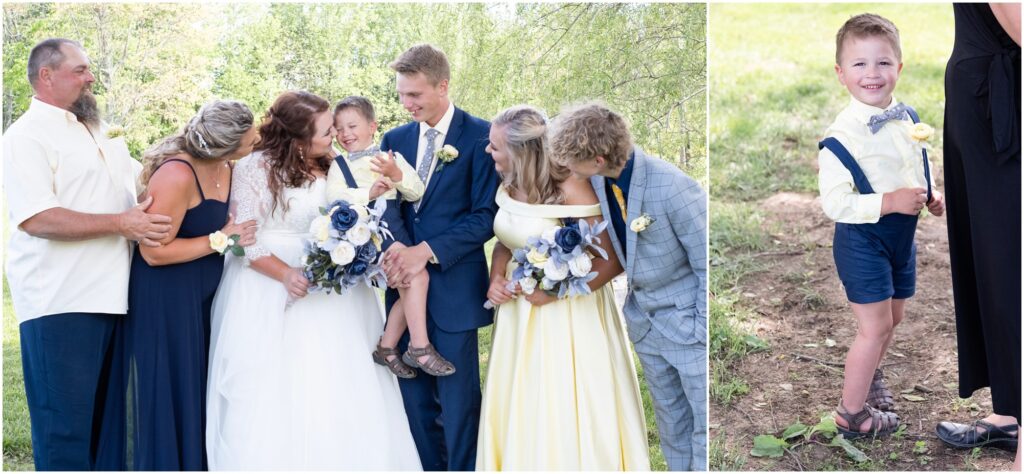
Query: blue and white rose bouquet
[[346, 246], [559, 260]]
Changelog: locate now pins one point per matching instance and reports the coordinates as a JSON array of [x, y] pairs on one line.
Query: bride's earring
[[301, 155]]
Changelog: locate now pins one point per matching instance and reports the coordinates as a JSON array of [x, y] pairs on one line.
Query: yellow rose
[[536, 258], [921, 132], [218, 242]]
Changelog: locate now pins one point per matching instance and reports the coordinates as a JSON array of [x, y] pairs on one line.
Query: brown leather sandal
[[883, 423], [435, 365], [879, 395], [397, 367]]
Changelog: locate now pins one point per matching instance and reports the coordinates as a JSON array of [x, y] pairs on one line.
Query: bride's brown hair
[[285, 135]]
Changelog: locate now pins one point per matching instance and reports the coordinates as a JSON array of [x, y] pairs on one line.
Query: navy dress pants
[[68, 361]]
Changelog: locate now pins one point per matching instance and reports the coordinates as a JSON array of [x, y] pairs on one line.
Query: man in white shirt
[[70, 192]]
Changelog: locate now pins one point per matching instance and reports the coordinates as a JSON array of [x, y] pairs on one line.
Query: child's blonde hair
[[867, 25]]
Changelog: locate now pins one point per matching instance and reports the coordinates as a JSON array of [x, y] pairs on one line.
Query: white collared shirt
[[52, 160], [442, 126], [890, 159]]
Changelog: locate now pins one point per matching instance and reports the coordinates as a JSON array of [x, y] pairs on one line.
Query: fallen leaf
[[768, 446], [786, 386], [811, 344], [897, 354], [913, 398]]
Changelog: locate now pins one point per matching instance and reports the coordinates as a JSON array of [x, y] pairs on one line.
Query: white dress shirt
[[442, 126], [890, 159], [52, 160]]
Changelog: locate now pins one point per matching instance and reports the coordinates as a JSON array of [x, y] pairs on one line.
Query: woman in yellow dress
[[561, 391]]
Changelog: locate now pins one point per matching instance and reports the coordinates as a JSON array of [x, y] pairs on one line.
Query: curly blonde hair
[[586, 131]]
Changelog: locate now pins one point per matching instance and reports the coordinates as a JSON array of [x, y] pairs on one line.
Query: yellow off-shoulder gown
[[561, 391]]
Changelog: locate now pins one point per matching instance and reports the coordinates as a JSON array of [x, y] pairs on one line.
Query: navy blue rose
[[568, 238], [344, 218], [366, 252], [357, 267]]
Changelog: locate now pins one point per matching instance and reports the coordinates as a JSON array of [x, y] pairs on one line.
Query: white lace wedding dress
[[294, 387]]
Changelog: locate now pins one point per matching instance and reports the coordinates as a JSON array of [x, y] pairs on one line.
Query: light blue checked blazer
[[666, 264]]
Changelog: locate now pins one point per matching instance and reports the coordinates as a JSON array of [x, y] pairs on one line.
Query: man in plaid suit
[[658, 228]]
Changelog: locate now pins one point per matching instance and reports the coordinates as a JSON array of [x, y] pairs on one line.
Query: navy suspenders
[[343, 165], [859, 179]]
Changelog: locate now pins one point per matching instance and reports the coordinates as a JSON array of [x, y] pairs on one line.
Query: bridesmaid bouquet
[[345, 247], [558, 261]]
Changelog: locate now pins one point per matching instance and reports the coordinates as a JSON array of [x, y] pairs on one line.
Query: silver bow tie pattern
[[896, 113]]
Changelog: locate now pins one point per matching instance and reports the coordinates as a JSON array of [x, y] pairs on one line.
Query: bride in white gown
[[291, 385]]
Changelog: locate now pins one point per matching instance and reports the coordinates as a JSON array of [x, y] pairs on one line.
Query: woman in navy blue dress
[[166, 333]]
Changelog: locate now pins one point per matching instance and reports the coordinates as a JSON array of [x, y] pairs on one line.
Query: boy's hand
[[938, 205], [381, 186], [386, 165], [904, 201]]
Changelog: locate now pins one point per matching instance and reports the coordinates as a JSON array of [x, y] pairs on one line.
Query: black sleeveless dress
[[982, 172], [167, 341]]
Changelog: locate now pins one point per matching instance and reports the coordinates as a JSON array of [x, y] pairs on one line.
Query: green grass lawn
[[773, 92]]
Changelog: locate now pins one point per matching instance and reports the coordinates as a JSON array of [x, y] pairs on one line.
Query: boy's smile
[[869, 69]]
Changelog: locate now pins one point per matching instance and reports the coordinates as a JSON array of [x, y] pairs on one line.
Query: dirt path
[[801, 311]]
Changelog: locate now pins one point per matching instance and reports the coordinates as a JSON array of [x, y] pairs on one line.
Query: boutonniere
[[921, 132], [445, 155], [641, 223], [114, 132]]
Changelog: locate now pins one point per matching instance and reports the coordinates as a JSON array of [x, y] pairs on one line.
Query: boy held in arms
[[874, 179], [377, 174]]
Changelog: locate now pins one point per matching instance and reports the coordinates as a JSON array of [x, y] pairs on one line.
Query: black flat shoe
[[967, 436]]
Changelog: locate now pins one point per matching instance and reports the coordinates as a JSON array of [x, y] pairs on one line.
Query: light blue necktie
[[899, 112], [428, 159]]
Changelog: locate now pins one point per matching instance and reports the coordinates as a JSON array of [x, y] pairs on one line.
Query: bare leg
[[395, 327], [414, 305], [874, 327], [898, 307]]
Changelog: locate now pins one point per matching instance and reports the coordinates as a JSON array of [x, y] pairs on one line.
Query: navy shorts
[[877, 261]]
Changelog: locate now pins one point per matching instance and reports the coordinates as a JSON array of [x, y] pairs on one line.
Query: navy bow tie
[[896, 113]]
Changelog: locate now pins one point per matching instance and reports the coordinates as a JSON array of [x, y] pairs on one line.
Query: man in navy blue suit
[[443, 233]]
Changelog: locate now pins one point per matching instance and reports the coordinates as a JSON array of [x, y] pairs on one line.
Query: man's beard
[[85, 109]]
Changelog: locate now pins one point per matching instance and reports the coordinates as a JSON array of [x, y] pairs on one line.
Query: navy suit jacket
[[455, 218]]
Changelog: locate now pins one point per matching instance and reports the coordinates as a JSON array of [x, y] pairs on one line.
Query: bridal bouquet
[[345, 247], [558, 261]]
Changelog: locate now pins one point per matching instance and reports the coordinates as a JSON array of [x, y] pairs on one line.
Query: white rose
[[641, 223], [549, 235], [343, 253], [320, 228], [449, 153], [363, 214], [536, 258], [528, 285], [359, 234], [555, 271], [218, 241], [580, 266]]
